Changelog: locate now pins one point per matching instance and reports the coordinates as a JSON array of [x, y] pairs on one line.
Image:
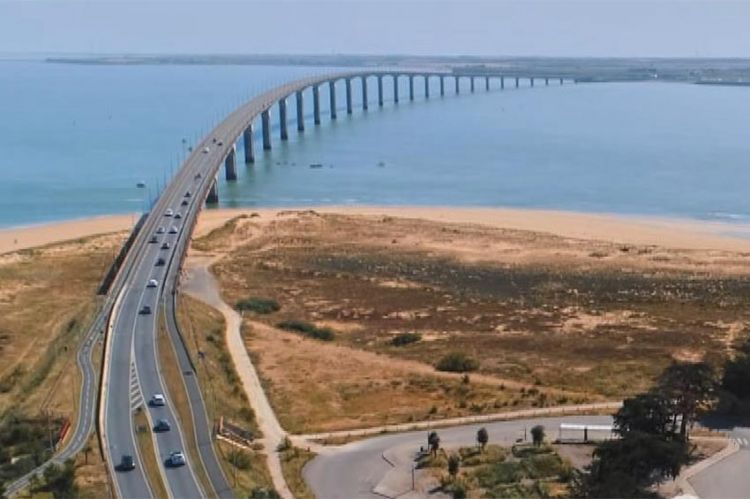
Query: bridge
[[131, 371]]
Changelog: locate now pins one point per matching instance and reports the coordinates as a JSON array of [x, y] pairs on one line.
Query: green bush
[[307, 329], [457, 362], [240, 459], [258, 305], [405, 339], [499, 473]]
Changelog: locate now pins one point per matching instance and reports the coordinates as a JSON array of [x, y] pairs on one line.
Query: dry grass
[[91, 472], [292, 462], [47, 299], [151, 464], [580, 320], [204, 329], [317, 386], [170, 371]]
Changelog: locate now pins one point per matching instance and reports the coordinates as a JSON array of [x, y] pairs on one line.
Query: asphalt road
[[727, 479], [355, 470]]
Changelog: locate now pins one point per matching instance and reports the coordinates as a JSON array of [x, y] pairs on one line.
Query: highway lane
[[381, 466], [727, 478]]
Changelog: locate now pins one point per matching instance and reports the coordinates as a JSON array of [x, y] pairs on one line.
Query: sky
[[602, 28]]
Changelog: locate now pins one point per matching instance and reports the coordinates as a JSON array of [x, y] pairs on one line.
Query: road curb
[[684, 477]]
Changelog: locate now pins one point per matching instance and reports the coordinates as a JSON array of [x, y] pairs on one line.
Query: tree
[[690, 387], [627, 467], [60, 480], [537, 435], [645, 413], [454, 462], [482, 438], [433, 442]]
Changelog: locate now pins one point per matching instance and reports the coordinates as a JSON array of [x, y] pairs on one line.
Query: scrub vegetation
[[536, 319]]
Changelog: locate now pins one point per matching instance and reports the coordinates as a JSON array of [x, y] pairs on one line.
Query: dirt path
[[200, 284]]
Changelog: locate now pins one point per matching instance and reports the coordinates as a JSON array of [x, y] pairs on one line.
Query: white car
[[176, 458], [173, 230], [206, 150], [160, 230], [152, 283], [168, 213], [157, 400]]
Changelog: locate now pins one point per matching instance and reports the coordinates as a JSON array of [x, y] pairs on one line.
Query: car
[[165, 246], [197, 176], [157, 400], [178, 215], [153, 239], [169, 212], [127, 463], [173, 230], [175, 459], [160, 262], [160, 230], [145, 310], [214, 140], [187, 194], [206, 150], [184, 202], [162, 425], [220, 143], [152, 283]]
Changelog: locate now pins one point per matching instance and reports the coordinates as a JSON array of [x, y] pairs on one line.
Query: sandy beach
[[19, 238], [664, 232]]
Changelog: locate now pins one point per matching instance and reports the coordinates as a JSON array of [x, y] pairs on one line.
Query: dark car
[[165, 246], [145, 310], [153, 240], [160, 262], [162, 425], [184, 202], [187, 194], [127, 463]]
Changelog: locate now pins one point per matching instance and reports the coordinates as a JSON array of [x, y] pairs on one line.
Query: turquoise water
[[76, 139]]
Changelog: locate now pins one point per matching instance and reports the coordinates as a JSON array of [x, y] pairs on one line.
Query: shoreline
[[23, 237], [668, 232]]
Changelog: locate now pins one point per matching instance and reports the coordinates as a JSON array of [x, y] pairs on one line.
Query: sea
[[77, 140]]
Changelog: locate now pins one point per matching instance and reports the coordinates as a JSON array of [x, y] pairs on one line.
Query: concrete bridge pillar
[[442, 86], [265, 120], [458, 85], [364, 93], [230, 164], [411, 87], [247, 138], [487, 83], [395, 89], [561, 81], [316, 104], [283, 133], [300, 112], [472, 84], [332, 95], [427, 86], [502, 83], [380, 91], [348, 96], [213, 193], [531, 81], [546, 82], [517, 79]]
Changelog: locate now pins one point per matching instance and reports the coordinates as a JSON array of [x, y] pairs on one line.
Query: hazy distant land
[[714, 71]]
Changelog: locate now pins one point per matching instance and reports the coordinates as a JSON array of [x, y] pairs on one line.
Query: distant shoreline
[[626, 229]]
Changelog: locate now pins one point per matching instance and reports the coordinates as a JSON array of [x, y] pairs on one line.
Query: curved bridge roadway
[[132, 372]]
